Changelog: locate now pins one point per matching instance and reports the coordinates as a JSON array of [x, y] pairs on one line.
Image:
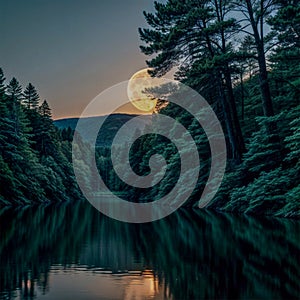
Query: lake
[[71, 251]]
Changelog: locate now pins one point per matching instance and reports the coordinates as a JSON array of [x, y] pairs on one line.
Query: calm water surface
[[73, 252]]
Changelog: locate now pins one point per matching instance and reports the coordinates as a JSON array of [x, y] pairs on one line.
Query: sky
[[71, 50]]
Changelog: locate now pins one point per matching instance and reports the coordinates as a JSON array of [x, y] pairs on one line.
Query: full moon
[[137, 84]]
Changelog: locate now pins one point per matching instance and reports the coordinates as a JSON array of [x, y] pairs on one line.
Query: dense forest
[[248, 70], [242, 56], [35, 157]]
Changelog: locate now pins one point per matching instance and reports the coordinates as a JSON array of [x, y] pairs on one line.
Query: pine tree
[[14, 93], [255, 13], [34, 166], [31, 97], [196, 36], [45, 136], [45, 111], [5, 122], [285, 57], [2, 86], [17, 152]]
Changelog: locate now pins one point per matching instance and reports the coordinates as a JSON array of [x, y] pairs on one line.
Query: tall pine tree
[[31, 97]]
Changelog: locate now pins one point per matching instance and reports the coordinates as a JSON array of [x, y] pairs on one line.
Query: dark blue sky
[[71, 50]]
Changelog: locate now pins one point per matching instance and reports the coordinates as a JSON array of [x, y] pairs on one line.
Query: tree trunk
[[235, 120], [242, 96], [234, 144], [263, 74], [264, 82]]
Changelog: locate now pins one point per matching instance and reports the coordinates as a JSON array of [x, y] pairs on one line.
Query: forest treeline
[[35, 157], [242, 56]]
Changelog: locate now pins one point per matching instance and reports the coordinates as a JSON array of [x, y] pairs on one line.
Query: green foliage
[[31, 97], [190, 34], [252, 83], [196, 36], [264, 183], [34, 168]]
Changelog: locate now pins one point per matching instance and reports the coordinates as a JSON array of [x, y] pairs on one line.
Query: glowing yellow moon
[[137, 84]]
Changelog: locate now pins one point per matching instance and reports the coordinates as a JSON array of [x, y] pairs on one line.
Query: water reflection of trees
[[32, 240], [214, 256], [195, 254]]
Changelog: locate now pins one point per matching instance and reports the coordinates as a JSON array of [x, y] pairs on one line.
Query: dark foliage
[[35, 156]]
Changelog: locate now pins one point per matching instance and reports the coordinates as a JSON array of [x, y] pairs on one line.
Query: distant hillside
[[65, 123], [109, 128]]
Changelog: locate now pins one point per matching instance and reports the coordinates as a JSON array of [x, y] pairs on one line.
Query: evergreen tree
[[34, 166], [31, 97], [256, 12], [2, 85], [14, 93], [285, 57], [196, 36], [5, 122], [45, 134], [45, 111], [205, 43], [264, 180]]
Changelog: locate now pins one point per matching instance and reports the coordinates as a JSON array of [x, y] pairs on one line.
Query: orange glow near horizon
[[78, 106], [128, 108]]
